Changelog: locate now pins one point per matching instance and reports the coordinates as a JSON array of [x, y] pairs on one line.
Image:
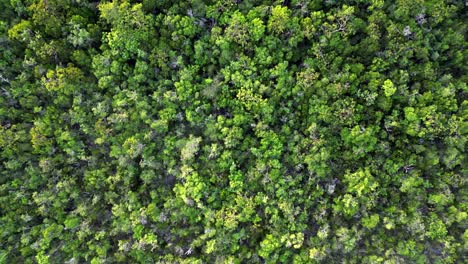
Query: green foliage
[[278, 21], [389, 88], [233, 131], [371, 221]]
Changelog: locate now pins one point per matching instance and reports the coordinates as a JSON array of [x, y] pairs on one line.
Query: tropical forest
[[233, 131]]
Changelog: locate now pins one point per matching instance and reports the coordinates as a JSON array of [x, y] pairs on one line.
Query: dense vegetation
[[226, 131]]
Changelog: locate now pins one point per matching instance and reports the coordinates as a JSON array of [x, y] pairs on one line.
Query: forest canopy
[[233, 131]]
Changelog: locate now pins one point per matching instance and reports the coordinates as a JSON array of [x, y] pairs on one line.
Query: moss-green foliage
[[233, 131]]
